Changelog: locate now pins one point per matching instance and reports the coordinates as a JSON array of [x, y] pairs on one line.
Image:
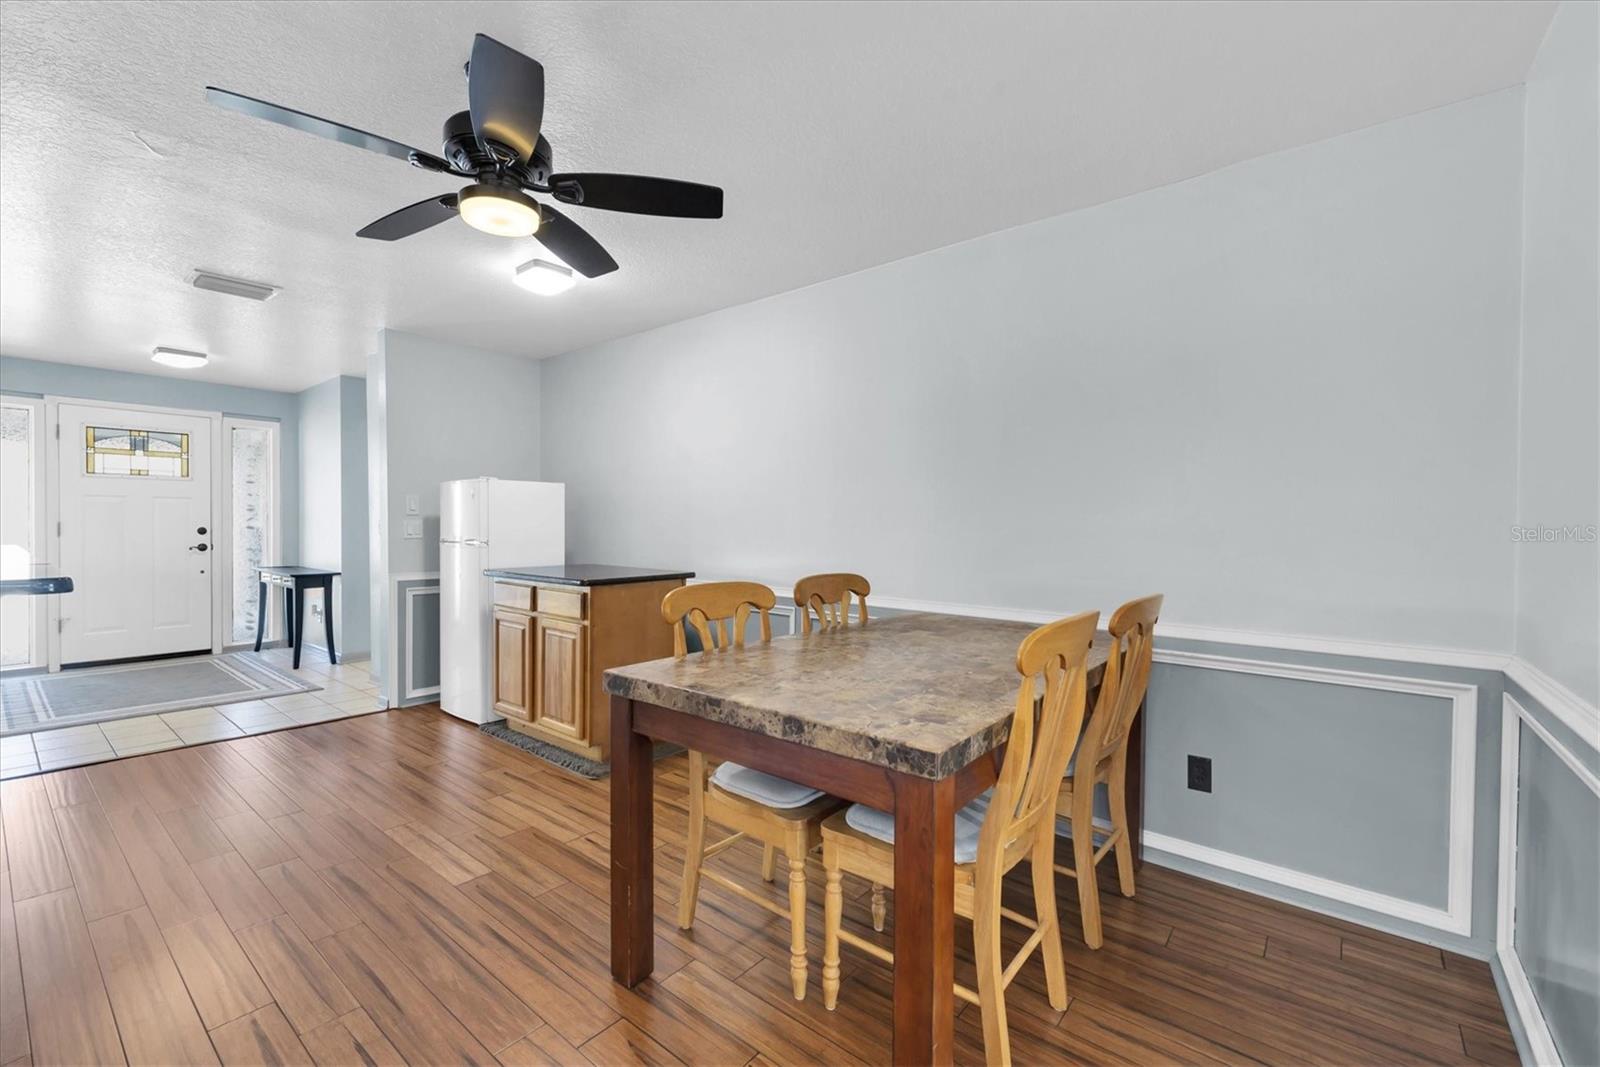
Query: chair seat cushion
[[764, 788], [969, 823]]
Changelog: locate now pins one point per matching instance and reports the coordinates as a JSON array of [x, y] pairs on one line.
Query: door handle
[[202, 547]]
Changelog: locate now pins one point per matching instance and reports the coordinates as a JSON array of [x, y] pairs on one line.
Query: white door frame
[[225, 526], [52, 406], [42, 545]]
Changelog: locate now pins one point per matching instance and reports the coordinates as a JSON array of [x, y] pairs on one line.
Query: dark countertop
[[586, 574], [43, 586]]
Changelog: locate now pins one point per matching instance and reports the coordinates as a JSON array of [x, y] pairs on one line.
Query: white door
[[137, 535]]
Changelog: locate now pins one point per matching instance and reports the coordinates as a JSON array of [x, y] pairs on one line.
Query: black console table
[[47, 586], [295, 581]]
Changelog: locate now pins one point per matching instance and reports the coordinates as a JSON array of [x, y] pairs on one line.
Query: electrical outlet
[[1200, 773]]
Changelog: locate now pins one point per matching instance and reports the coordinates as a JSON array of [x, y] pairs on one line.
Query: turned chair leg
[[769, 856], [833, 914], [1117, 794], [694, 847], [880, 908], [796, 851]]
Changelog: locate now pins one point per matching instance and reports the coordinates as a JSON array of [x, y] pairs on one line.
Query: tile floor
[[347, 690]]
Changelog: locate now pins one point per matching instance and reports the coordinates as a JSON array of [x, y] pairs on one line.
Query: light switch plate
[[412, 506], [412, 530]]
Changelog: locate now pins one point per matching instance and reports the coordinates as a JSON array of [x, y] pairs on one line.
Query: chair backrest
[[1038, 749], [1127, 677], [703, 606], [829, 596]]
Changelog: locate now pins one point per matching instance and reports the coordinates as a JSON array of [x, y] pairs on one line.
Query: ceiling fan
[[496, 144]]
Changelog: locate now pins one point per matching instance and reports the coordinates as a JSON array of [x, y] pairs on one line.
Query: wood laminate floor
[[398, 888]]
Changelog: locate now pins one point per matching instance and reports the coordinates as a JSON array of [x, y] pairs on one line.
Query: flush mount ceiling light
[[221, 283], [499, 209], [545, 278], [179, 358]]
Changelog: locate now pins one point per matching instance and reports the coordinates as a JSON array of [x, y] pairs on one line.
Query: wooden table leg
[[1136, 787], [261, 613], [924, 919], [632, 849]]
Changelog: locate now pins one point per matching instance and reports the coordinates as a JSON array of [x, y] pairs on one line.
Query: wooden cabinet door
[[513, 663], [561, 650]]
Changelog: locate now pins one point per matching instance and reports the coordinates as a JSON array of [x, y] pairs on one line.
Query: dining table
[[908, 714]]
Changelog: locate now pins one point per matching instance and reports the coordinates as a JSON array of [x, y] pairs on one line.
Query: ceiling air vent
[[221, 283]]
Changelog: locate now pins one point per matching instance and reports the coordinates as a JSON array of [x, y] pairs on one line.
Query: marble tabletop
[[923, 694]]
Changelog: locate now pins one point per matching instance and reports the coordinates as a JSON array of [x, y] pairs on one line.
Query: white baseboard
[[1541, 1043], [1344, 893]]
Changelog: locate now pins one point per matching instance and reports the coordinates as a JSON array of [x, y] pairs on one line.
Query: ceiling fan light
[[501, 211], [545, 278], [179, 358]]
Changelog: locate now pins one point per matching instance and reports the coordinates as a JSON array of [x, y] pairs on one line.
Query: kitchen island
[[558, 629]]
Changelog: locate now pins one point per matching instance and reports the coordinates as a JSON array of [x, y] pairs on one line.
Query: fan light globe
[[545, 278], [501, 211]]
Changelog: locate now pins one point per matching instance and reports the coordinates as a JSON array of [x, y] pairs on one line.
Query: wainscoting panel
[[1548, 933], [416, 604], [1346, 784]]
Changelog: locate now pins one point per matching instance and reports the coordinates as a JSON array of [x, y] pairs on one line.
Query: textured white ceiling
[[845, 135]]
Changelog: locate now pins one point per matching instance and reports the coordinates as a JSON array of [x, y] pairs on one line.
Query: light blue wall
[[333, 502], [1558, 583], [436, 412], [355, 562], [1280, 393], [91, 383]]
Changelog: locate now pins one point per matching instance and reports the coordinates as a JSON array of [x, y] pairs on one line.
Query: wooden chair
[[772, 810], [1014, 821], [1103, 757], [828, 595]]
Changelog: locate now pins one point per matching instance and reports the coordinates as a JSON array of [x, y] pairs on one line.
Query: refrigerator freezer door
[[462, 510], [464, 632]]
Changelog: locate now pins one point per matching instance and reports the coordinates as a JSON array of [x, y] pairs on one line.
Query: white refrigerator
[[486, 523]]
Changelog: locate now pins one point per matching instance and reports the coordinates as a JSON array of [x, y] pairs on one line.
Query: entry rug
[[101, 694], [567, 761]]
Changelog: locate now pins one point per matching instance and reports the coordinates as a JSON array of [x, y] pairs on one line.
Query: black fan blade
[[573, 244], [409, 220], [639, 195], [299, 120], [505, 93]]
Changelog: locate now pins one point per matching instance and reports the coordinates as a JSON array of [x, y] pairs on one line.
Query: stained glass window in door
[[144, 453]]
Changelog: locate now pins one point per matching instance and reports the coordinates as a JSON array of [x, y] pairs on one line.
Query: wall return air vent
[[221, 283]]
